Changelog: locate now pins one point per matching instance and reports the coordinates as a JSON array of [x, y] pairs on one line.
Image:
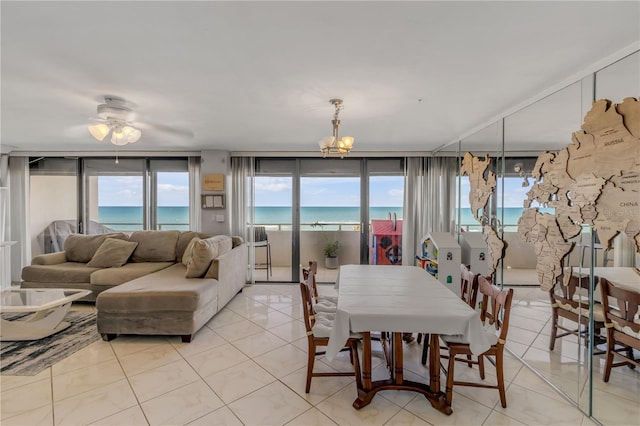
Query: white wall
[[216, 162]]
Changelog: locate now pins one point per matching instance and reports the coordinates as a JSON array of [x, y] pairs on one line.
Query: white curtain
[[4, 170], [195, 215], [429, 201], [241, 205], [19, 215]]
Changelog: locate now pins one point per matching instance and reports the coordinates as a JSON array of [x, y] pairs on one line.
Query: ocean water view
[[177, 217]]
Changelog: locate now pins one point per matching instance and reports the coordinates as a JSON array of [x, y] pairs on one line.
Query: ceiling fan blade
[[80, 130], [179, 131]]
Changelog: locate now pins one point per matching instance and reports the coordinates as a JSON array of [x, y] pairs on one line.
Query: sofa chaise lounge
[[147, 282]]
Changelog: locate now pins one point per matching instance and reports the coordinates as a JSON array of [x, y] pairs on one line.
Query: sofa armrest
[[230, 269], [49, 258]]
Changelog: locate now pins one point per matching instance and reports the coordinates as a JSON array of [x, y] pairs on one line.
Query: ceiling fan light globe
[[99, 131], [118, 139], [131, 134]]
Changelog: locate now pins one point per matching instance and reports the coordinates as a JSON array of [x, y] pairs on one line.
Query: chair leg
[[481, 366], [469, 363], [449, 389], [425, 349], [269, 267], [500, 372], [609, 361], [630, 356], [554, 331], [310, 360]]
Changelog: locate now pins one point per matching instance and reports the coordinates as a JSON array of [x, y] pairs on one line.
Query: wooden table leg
[[366, 361], [397, 382], [434, 363], [398, 364]]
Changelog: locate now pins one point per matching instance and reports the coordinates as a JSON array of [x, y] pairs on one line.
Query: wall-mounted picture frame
[[213, 182], [212, 201]]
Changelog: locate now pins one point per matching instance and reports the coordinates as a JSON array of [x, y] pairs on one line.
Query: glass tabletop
[[20, 300]]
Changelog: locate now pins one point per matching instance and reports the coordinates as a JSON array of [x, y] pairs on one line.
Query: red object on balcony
[[386, 242]]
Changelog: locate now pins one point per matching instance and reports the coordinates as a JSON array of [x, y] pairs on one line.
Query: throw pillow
[[189, 250], [202, 253], [112, 253], [81, 248]]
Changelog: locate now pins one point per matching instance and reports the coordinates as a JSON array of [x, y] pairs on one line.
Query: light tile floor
[[247, 366]]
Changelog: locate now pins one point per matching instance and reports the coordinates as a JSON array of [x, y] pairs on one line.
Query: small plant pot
[[331, 262]]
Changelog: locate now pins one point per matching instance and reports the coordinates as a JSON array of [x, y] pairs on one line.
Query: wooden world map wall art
[[482, 183], [594, 181]]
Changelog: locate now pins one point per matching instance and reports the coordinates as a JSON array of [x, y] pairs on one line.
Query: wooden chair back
[[309, 275], [623, 327], [627, 302], [575, 294], [496, 306], [307, 307], [468, 286]]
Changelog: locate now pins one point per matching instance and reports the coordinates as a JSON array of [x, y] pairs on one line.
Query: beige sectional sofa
[[156, 289]]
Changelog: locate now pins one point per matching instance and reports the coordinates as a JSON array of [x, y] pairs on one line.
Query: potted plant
[[331, 249]]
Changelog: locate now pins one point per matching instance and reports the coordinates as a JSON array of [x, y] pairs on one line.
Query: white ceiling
[[257, 76]]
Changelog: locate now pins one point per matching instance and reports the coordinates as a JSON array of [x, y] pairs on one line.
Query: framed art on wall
[[212, 201]]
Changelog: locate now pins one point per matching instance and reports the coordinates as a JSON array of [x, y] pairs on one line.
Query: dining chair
[[571, 302], [261, 240], [468, 293], [319, 305], [495, 310], [318, 327], [468, 286], [313, 271], [622, 324]]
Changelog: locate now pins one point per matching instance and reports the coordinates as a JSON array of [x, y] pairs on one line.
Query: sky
[[386, 191], [173, 190]]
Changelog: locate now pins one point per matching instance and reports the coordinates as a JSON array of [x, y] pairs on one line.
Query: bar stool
[[260, 239]]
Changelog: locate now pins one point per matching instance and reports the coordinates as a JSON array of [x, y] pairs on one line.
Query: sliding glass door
[[319, 209], [98, 195]]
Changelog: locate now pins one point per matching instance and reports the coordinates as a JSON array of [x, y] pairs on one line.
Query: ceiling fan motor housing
[[114, 109]]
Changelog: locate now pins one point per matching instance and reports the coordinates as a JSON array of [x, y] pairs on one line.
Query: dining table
[[621, 276], [397, 299]]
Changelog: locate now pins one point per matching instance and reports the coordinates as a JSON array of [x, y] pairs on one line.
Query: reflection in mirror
[[619, 80], [616, 401], [479, 207], [546, 125]]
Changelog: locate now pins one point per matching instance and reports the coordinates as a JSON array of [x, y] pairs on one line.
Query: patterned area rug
[[29, 358]]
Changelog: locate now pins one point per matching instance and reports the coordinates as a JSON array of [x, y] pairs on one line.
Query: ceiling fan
[[116, 117]]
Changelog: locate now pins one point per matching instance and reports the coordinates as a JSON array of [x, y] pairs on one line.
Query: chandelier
[[332, 145]]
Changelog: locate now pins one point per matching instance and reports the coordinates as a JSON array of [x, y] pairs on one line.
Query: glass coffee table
[[44, 311]]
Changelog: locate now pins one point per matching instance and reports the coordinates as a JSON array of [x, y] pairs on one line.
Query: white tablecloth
[[625, 277], [401, 299]]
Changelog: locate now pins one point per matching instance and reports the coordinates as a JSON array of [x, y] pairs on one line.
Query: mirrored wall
[[573, 364]]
